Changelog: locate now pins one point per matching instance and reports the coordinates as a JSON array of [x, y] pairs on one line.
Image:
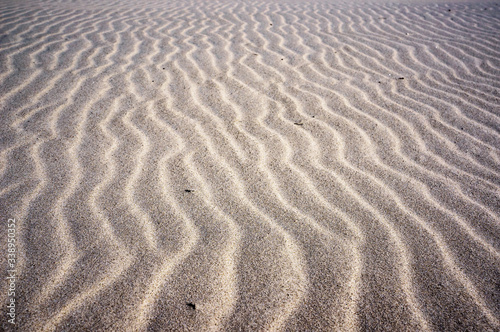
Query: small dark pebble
[[401, 78], [153, 81], [163, 68], [282, 59], [255, 54], [313, 116], [191, 305], [298, 123], [379, 82], [270, 24], [188, 190], [449, 10]]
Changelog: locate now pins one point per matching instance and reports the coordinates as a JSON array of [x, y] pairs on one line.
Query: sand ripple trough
[[251, 165]]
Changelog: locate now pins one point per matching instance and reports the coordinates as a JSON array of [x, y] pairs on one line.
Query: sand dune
[[251, 165]]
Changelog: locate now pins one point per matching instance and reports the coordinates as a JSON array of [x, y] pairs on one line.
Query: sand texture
[[251, 166]]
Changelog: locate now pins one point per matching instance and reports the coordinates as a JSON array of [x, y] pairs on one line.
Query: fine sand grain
[[250, 165]]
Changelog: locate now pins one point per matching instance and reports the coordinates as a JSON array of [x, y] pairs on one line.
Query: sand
[[250, 165]]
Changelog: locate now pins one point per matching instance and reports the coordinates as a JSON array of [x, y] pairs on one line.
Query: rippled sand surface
[[251, 165]]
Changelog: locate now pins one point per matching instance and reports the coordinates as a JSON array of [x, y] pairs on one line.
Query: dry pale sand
[[250, 166]]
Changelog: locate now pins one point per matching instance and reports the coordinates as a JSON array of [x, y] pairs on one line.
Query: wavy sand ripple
[[251, 165]]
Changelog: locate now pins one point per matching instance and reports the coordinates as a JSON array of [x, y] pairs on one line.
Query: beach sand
[[250, 166]]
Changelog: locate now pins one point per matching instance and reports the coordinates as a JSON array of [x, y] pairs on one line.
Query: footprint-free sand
[[250, 165]]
